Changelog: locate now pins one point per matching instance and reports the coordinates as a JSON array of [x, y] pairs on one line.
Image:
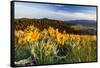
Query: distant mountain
[[90, 23]]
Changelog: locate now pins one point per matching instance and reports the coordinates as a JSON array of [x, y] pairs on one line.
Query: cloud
[[34, 12], [85, 16], [78, 15]]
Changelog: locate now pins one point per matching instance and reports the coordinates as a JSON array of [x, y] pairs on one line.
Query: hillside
[[89, 23], [69, 27]]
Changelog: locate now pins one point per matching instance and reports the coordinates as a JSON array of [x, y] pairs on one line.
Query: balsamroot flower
[[51, 31], [35, 36], [61, 38]]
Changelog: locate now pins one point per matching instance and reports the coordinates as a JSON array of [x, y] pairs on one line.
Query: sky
[[54, 11]]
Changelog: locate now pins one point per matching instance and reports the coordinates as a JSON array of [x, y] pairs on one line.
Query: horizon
[[54, 11], [53, 19]]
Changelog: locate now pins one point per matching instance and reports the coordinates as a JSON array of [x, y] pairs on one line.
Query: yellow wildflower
[[94, 38], [72, 36], [19, 33], [51, 31], [20, 41], [35, 36], [45, 31], [59, 37], [64, 38]]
